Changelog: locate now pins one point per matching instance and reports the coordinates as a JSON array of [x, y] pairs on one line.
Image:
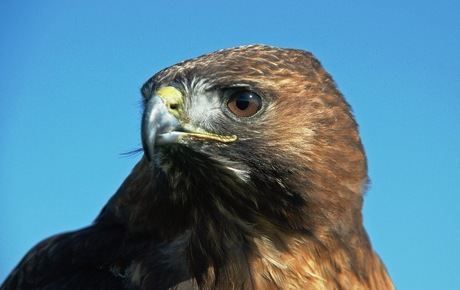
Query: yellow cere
[[173, 100]]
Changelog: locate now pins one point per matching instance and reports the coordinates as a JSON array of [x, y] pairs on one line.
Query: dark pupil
[[242, 103]]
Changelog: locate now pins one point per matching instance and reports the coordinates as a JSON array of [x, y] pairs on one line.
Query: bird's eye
[[244, 103]]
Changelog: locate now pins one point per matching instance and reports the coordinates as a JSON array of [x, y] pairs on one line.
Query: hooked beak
[[161, 125]]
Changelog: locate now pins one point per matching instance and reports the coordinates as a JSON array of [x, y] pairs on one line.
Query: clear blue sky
[[69, 105]]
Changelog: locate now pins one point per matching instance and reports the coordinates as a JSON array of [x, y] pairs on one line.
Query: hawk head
[[251, 134]]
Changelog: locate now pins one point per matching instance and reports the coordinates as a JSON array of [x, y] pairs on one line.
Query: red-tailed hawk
[[252, 178]]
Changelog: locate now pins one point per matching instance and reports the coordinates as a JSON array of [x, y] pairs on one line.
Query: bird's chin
[[169, 138]]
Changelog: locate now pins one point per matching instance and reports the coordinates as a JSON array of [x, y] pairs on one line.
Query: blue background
[[70, 104]]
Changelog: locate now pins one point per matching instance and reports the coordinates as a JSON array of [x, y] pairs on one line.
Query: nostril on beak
[[174, 107]]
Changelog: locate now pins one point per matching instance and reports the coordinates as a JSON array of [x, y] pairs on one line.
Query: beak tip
[[148, 151], [156, 121]]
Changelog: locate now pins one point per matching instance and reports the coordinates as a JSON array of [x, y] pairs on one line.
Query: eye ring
[[244, 103]]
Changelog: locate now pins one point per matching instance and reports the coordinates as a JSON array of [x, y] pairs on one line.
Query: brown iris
[[244, 103]]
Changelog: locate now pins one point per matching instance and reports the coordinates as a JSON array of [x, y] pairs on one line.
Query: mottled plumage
[[252, 178]]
